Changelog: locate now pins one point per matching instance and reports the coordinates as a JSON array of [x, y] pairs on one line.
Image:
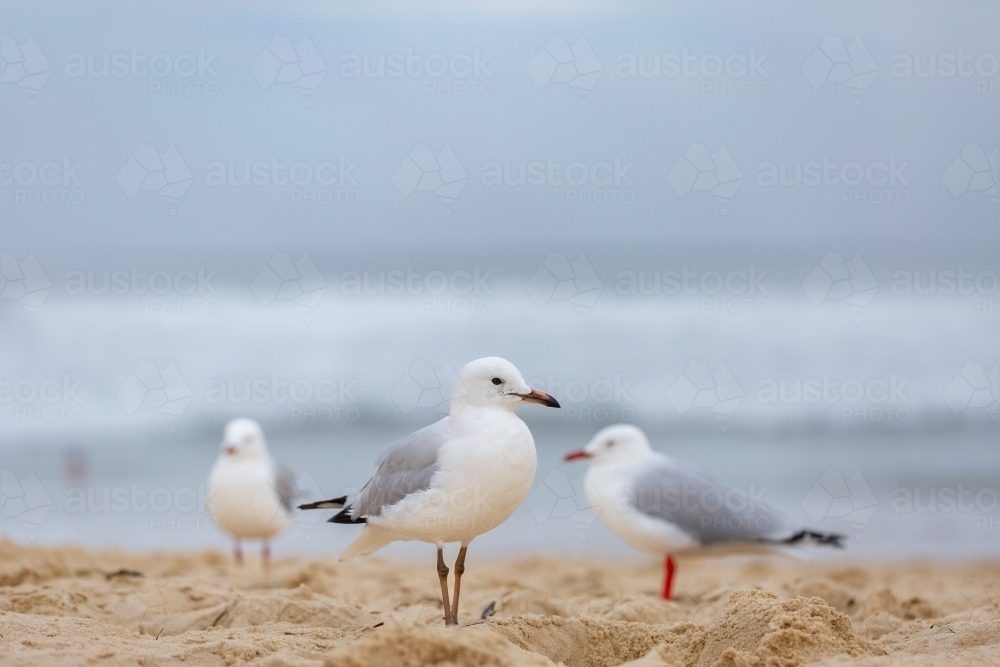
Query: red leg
[[238, 554], [668, 577]]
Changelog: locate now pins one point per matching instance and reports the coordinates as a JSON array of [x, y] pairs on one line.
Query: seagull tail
[[346, 515], [332, 503], [830, 539], [371, 539]]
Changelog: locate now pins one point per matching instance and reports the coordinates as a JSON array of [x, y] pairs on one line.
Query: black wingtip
[[332, 503], [830, 539], [344, 516]]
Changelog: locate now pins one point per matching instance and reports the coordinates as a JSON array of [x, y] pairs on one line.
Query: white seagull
[[251, 498], [453, 480], [663, 506]]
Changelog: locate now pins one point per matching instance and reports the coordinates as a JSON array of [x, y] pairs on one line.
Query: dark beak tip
[[540, 397]]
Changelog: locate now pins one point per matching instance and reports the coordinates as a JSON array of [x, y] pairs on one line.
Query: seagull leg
[[265, 555], [238, 553], [668, 576], [443, 576], [459, 571]]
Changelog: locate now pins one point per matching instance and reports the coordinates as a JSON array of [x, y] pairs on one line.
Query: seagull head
[[614, 444], [244, 439], [495, 382]]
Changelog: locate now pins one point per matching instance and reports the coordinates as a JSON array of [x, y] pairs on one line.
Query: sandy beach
[[68, 606]]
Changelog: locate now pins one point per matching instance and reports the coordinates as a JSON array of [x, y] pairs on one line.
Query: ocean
[[847, 419]]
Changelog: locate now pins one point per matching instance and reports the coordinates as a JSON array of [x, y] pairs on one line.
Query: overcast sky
[[491, 84]]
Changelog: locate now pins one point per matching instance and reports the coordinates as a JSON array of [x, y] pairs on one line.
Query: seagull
[[251, 498], [453, 480], [662, 506]]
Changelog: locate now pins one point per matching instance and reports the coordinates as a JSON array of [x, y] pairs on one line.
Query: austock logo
[[50, 400], [871, 400], [559, 497], [330, 398], [23, 499], [604, 399], [284, 279], [700, 387], [849, 64], [50, 182], [459, 292], [980, 68], [558, 61], [561, 280], [284, 62], [876, 182], [329, 181], [149, 170], [974, 387], [423, 170], [423, 386], [599, 182], [183, 74], [701, 171], [458, 74], [152, 388], [24, 65], [974, 170], [834, 496], [833, 279], [733, 74], [185, 291], [730, 292], [25, 282]]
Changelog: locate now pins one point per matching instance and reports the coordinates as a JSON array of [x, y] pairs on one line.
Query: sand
[[68, 606]]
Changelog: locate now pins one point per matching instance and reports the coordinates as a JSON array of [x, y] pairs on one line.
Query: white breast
[[484, 476], [610, 494], [242, 500]]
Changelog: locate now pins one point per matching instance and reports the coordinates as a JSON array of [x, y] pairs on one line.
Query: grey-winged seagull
[[453, 480], [663, 506], [250, 497]]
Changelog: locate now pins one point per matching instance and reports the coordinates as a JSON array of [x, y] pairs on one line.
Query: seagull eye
[[611, 443], [497, 381]]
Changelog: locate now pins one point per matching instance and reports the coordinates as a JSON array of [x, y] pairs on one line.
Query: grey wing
[[404, 467], [707, 509], [283, 482]]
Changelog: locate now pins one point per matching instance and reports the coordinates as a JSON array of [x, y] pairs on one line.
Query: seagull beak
[[540, 397], [576, 455]]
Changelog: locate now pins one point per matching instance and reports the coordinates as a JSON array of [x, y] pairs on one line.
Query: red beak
[[576, 455]]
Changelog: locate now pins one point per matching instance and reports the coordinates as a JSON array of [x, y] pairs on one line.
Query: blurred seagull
[[663, 506], [453, 480], [250, 497]]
